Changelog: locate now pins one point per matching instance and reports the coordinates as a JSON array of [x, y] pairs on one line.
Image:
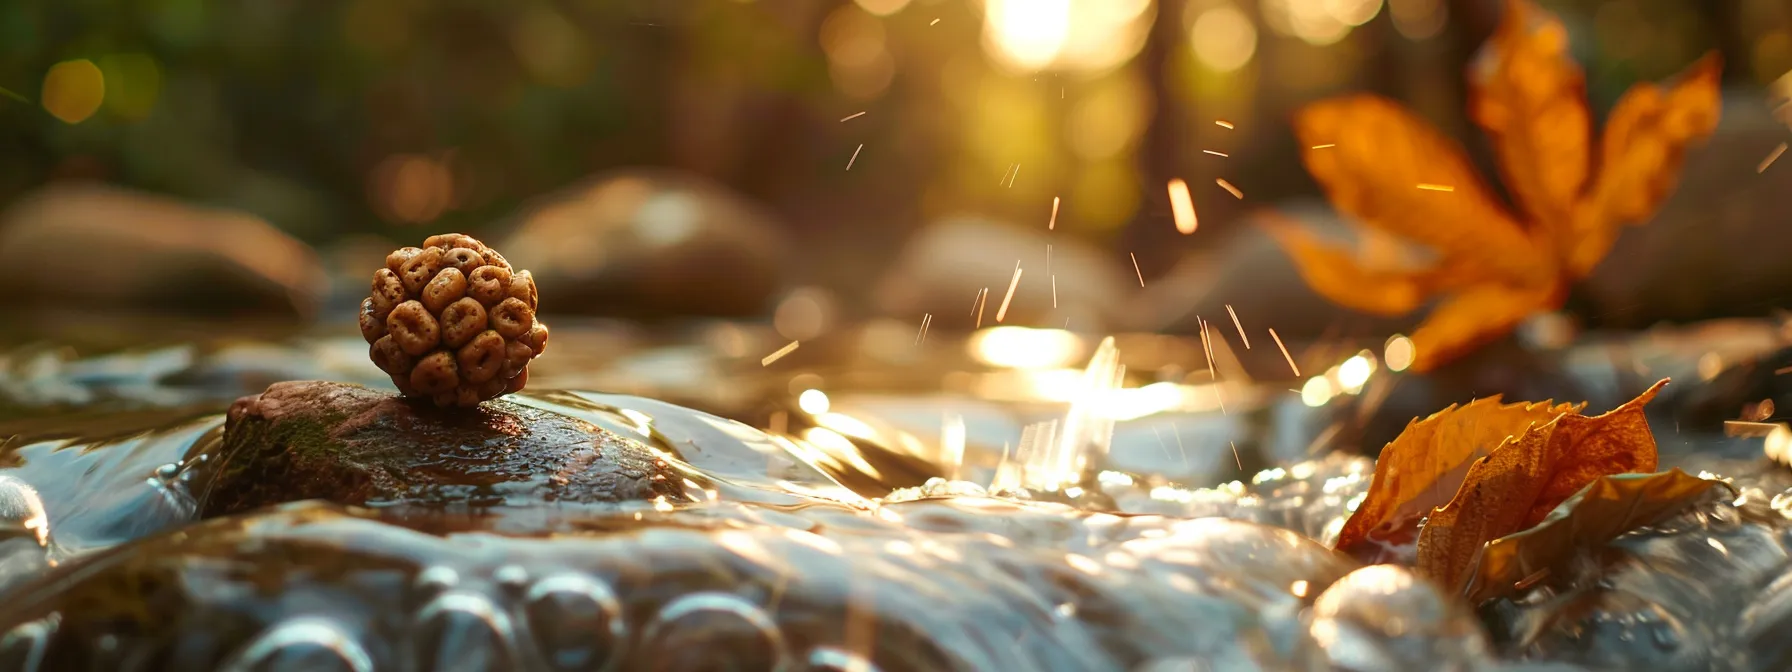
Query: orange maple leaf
[[1484, 471], [1526, 476], [1389, 170]]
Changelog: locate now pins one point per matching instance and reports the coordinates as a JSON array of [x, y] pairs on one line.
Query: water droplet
[[830, 659], [167, 471], [301, 644], [689, 632], [577, 622], [1665, 636], [511, 576], [22, 511], [436, 579], [463, 631]]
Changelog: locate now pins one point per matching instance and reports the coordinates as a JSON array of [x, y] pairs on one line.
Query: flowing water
[[839, 541]]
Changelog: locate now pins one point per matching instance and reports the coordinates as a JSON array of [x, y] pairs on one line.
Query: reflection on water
[[1114, 528]]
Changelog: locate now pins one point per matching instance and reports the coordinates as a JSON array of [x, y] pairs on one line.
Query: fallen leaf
[[1600, 512], [1423, 467], [1390, 171], [1518, 483]]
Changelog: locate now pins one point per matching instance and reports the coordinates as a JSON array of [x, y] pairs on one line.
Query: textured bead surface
[[451, 322]]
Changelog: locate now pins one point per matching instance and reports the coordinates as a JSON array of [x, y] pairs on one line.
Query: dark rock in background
[[650, 244], [1714, 248], [943, 268], [352, 445], [94, 248]]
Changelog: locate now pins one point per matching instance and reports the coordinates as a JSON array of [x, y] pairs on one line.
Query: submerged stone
[[352, 445]]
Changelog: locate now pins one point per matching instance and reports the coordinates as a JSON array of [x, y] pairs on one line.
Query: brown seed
[[482, 359], [516, 358], [443, 240], [413, 328], [373, 325], [396, 259], [392, 359], [421, 269], [448, 286], [493, 258], [467, 397], [536, 339], [435, 374], [522, 286], [511, 317], [463, 259], [388, 292], [489, 284], [462, 321]]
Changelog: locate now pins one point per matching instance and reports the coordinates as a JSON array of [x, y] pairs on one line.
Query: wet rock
[[1382, 617], [352, 445], [950, 262], [650, 244], [94, 248]]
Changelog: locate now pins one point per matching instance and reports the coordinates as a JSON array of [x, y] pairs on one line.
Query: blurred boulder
[[647, 244], [945, 266], [1251, 273], [92, 248], [1713, 248]]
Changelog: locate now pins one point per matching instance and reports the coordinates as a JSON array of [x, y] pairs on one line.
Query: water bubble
[[511, 576], [830, 659], [301, 644], [577, 622], [436, 579], [693, 631], [463, 631], [168, 471], [22, 511]]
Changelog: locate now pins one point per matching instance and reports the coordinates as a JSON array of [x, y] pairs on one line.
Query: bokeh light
[[1399, 353], [1310, 20], [859, 60], [1224, 39], [882, 7], [1026, 348], [411, 188], [1418, 19], [813, 402], [1354, 372], [1090, 35], [133, 82], [1317, 391], [1353, 12], [74, 90]]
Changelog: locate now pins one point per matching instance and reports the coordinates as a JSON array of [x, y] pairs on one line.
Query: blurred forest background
[[345, 120]]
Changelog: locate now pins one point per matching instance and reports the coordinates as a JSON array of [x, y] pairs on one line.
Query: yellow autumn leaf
[[1519, 482], [1390, 171], [1422, 469], [1602, 511]]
